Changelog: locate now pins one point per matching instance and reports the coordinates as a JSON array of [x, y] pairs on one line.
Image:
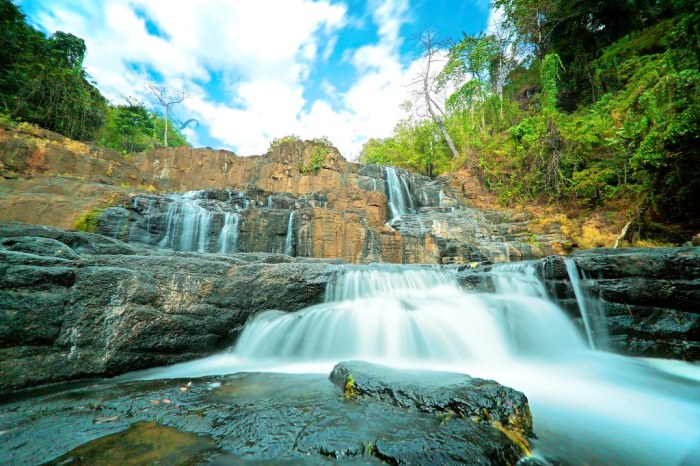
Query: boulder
[[76, 305], [447, 393]]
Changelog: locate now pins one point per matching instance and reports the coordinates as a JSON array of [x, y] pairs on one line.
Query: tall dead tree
[[431, 51], [167, 97]]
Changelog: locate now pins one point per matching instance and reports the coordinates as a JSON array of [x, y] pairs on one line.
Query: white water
[[187, 223], [289, 238], [190, 226], [591, 311], [588, 406], [400, 201], [230, 232]]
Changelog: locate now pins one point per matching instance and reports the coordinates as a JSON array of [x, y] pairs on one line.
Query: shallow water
[[588, 406]]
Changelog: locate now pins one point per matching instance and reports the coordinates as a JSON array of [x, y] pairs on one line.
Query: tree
[[166, 97], [431, 50], [530, 20]]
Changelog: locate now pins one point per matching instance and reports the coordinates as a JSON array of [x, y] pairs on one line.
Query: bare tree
[[167, 97], [431, 50]]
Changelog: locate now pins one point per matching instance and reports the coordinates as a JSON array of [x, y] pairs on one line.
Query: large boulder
[[78, 305], [447, 393]]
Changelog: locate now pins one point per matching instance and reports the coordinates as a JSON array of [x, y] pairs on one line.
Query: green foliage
[[549, 76], [42, 80], [88, 220], [279, 141], [319, 152], [604, 104], [6, 121], [131, 128], [415, 145]]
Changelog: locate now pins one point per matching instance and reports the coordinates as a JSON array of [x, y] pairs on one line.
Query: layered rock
[[358, 222], [82, 305], [343, 208]]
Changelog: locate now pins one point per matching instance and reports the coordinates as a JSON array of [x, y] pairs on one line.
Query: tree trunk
[[435, 117], [165, 133]]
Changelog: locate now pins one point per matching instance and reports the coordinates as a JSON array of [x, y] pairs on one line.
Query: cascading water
[[591, 311], [588, 406], [230, 232], [191, 226], [400, 201], [188, 223], [289, 238]]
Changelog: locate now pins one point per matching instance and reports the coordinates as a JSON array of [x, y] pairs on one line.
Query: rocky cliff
[[76, 305], [337, 209]]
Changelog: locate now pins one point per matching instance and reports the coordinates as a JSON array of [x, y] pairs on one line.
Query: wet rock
[[649, 297], [102, 307], [437, 392], [262, 418]]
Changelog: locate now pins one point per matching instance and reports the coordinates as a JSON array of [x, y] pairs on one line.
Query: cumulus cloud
[[263, 53]]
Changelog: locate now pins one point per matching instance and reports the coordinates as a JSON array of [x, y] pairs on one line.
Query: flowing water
[[589, 407], [400, 200], [289, 238], [192, 226], [230, 232]]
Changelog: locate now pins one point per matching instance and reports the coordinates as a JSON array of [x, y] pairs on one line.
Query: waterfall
[[400, 200], [289, 238], [589, 407], [230, 232], [590, 309], [408, 314], [189, 225], [517, 278]]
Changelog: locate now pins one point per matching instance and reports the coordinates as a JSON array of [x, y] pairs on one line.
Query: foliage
[[416, 145], [279, 141], [131, 128], [42, 81], [602, 103], [88, 220], [320, 148]]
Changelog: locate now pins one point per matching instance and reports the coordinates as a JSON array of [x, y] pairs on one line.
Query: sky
[[254, 70]]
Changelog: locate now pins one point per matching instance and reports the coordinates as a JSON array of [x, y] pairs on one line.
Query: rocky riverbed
[[77, 305], [278, 418]]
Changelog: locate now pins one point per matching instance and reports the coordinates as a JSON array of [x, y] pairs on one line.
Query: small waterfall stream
[[228, 238], [289, 238], [188, 223], [400, 200], [192, 226], [589, 407], [591, 312]]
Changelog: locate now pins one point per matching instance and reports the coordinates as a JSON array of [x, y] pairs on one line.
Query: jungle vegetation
[[569, 100], [43, 82]]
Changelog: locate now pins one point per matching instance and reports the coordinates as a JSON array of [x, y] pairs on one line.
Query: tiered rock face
[[341, 209], [344, 210], [648, 297]]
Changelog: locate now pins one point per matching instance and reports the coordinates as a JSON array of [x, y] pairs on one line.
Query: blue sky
[[258, 69]]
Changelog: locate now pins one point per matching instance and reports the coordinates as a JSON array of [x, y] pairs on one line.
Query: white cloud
[[264, 49]]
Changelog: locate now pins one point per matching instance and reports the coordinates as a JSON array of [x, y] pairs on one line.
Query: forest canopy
[[43, 82]]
